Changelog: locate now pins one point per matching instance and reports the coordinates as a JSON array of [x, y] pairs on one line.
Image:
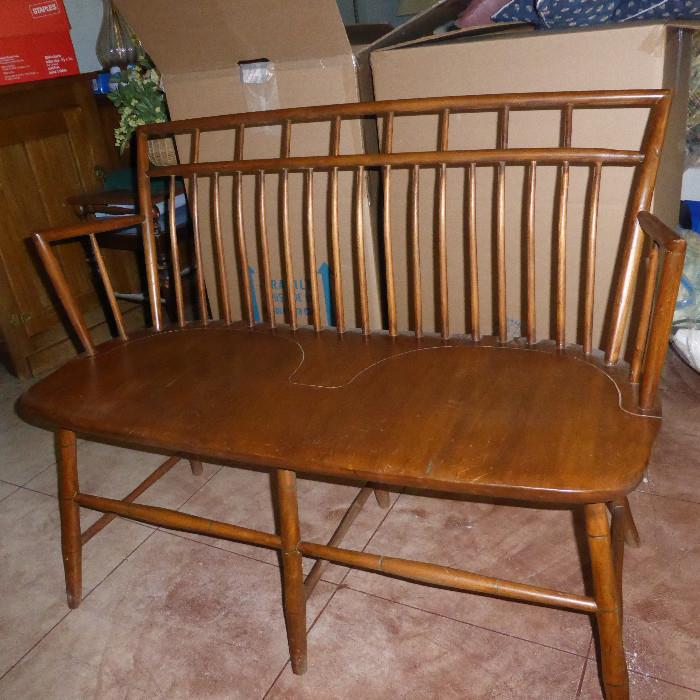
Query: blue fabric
[[559, 14]]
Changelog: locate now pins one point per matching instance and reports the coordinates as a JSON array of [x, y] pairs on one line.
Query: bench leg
[[71, 546], [292, 573], [607, 597], [383, 498], [197, 467], [631, 533]]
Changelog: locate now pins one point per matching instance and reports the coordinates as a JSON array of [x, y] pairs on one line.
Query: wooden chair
[[433, 411]]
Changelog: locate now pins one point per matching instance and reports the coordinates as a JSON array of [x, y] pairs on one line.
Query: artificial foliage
[[139, 99]]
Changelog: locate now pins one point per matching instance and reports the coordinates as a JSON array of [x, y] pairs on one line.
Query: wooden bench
[[543, 421]]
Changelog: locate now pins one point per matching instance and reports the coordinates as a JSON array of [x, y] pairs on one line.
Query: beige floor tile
[[6, 489], [369, 648], [641, 688], [25, 451], [674, 467], [113, 472], [522, 544], [177, 619], [243, 497], [31, 571]]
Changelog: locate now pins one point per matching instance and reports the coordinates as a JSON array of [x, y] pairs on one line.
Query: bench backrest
[[333, 167]]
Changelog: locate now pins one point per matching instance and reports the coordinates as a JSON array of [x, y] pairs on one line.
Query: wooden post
[[71, 546], [607, 599], [292, 573]]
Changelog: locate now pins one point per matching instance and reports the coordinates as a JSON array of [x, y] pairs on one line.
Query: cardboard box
[[35, 41], [509, 58], [223, 58]]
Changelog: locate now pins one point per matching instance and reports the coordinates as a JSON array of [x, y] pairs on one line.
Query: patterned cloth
[[551, 14]]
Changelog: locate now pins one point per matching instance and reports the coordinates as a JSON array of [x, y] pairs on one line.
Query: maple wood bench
[[544, 421]]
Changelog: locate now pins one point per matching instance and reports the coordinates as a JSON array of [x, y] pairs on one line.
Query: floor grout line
[[152, 532], [583, 670], [464, 622]]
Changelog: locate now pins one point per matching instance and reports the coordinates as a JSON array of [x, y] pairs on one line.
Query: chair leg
[[292, 573], [197, 467], [71, 546], [618, 531], [383, 498], [631, 533], [606, 593]]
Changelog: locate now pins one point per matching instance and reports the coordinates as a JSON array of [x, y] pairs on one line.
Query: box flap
[[361, 35], [499, 29], [182, 36], [485, 30], [422, 24], [21, 17]]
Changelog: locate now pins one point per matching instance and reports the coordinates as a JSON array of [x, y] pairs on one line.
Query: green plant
[[139, 99]]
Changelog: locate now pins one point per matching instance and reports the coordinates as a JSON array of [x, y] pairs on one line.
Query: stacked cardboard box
[[35, 41]]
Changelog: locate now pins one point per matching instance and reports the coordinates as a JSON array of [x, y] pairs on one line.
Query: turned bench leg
[[607, 596], [292, 573], [71, 546], [383, 497], [197, 467], [631, 533]]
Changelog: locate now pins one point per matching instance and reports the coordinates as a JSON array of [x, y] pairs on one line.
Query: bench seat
[[502, 421]]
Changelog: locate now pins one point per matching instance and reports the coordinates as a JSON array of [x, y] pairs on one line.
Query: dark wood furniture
[[537, 421], [94, 205], [51, 147]]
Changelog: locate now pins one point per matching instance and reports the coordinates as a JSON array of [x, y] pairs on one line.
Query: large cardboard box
[[228, 57], [497, 59], [35, 41]]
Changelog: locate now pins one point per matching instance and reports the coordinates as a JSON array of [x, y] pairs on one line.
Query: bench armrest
[[42, 241], [658, 305]]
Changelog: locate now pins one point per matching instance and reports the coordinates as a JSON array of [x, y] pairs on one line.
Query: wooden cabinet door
[[47, 156]]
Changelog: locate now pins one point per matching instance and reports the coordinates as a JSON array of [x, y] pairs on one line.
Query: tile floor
[[169, 615]]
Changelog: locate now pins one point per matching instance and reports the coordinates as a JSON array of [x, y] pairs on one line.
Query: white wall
[[85, 18]]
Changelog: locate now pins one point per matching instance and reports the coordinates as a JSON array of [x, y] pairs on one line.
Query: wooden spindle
[[311, 246], [150, 254], [503, 125], [645, 314], [560, 294], [240, 140], [442, 254], [386, 225], [443, 130], [196, 140], [221, 277], [107, 284], [657, 344], [472, 247], [239, 233], [194, 202], [62, 289], [567, 125], [501, 252], [335, 242], [388, 141], [175, 254], [502, 143], [265, 278], [530, 184], [388, 255], [201, 289], [360, 249], [591, 233], [284, 226], [414, 212]]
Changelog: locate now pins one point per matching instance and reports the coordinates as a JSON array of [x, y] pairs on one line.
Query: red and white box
[[35, 41]]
